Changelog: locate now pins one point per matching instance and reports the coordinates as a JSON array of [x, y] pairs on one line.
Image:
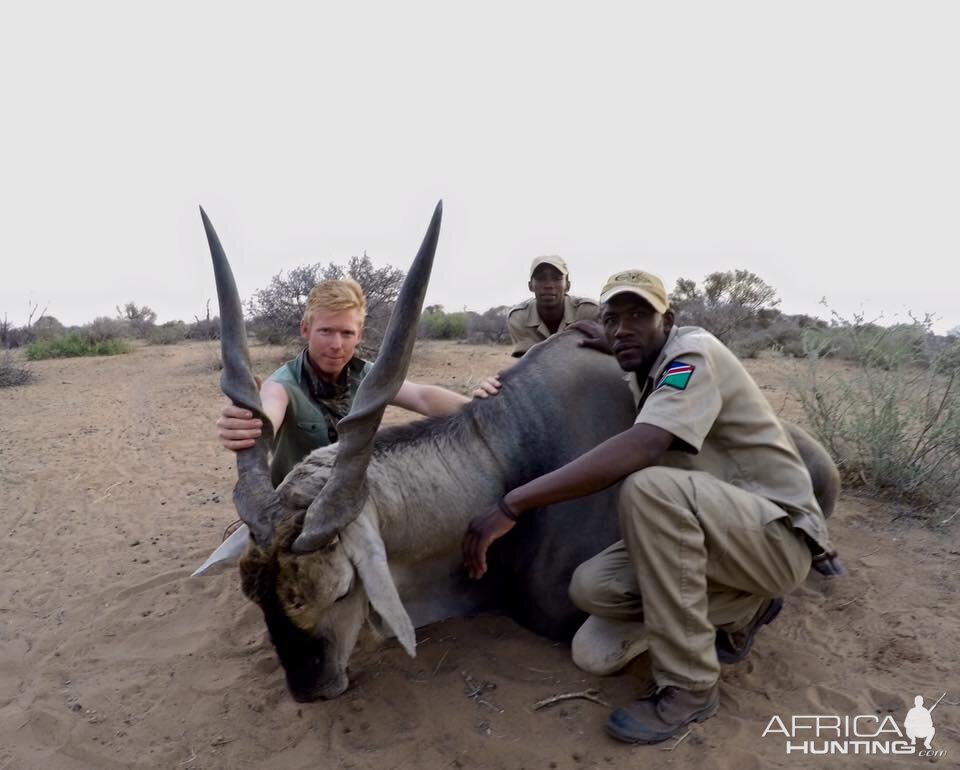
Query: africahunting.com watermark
[[830, 734]]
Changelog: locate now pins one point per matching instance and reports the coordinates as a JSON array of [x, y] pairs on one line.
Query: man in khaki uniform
[[551, 309], [717, 513]]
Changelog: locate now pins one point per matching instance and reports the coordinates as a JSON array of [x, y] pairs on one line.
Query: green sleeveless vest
[[314, 407]]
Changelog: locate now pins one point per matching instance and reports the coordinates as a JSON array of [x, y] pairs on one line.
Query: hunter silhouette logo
[[830, 734], [919, 723]]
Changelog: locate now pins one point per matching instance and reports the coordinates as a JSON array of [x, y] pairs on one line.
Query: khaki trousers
[[702, 554]]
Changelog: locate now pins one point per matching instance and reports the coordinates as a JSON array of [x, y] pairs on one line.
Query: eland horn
[[343, 496], [256, 501]]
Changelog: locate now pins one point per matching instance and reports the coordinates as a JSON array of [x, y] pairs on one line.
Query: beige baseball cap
[[645, 285], [550, 259]]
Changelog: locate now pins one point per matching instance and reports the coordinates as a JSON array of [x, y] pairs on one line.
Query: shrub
[[74, 345], [749, 343], [104, 329], [786, 335], [729, 303], [489, 326], [204, 329], [435, 324], [892, 420], [18, 336], [169, 333], [139, 320], [207, 328], [46, 327], [12, 373]]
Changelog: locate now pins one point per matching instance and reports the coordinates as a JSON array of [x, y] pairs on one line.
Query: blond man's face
[[332, 337]]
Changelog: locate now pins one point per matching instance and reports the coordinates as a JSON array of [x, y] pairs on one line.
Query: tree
[[730, 301], [685, 291], [489, 326], [139, 319], [14, 337], [47, 327], [741, 289]]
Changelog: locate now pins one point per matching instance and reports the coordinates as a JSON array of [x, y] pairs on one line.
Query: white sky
[[814, 143]]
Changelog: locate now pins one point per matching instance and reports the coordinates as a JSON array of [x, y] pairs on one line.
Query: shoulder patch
[[676, 376]]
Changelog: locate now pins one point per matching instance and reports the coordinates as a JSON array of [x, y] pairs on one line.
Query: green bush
[[74, 345], [892, 419], [438, 325]]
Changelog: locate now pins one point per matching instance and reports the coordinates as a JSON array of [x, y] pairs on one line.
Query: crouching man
[[717, 514]]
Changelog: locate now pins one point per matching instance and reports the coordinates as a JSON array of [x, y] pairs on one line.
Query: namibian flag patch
[[676, 375]]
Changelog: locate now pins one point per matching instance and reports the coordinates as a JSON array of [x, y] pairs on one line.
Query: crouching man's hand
[[482, 532]]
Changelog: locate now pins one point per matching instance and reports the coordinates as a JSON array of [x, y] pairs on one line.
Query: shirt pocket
[[316, 433]]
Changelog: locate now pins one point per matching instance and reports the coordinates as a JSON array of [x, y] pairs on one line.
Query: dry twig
[[590, 695], [106, 492], [845, 604], [677, 743], [442, 658], [476, 689]]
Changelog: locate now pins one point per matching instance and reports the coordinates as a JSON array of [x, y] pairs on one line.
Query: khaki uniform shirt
[[526, 328], [699, 392], [314, 407]]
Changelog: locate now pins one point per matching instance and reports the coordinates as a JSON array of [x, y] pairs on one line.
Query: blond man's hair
[[333, 296]]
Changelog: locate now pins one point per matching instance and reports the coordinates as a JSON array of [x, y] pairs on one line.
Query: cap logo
[[630, 276]]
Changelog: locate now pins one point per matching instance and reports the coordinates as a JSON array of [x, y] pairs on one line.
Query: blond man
[[307, 396]]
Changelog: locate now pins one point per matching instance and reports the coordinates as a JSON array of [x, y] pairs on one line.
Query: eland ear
[[364, 547]]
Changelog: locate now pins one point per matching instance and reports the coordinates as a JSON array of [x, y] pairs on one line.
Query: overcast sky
[[814, 143]]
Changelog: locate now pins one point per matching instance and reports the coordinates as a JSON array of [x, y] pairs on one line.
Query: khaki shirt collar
[[569, 316], [640, 393]]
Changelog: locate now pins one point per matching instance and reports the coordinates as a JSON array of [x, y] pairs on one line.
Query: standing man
[[717, 513], [551, 309], [307, 396]]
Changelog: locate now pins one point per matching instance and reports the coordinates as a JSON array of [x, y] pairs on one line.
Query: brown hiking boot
[[663, 715], [733, 646]]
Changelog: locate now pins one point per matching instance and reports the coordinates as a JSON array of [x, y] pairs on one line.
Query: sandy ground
[[112, 490]]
